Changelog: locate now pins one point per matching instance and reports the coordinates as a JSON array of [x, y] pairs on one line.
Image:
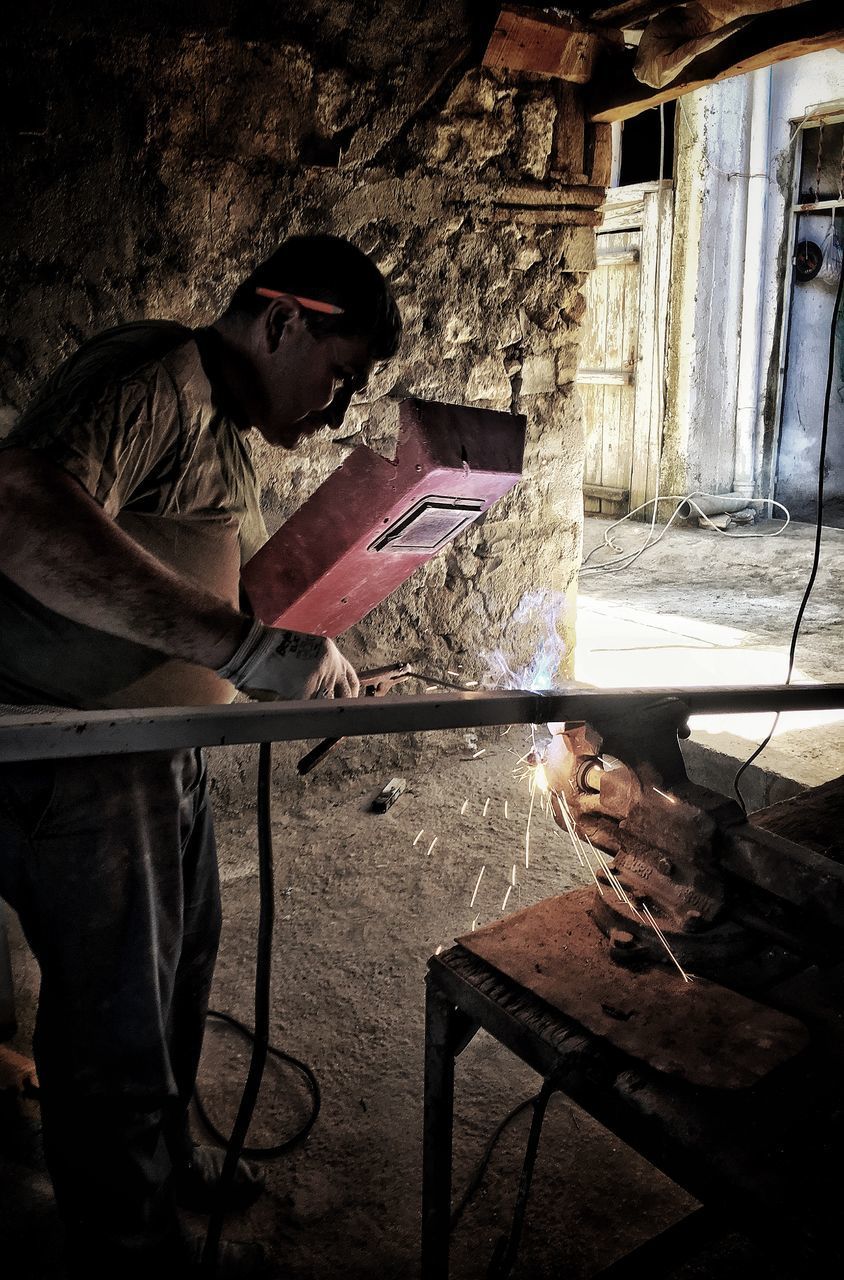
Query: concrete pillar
[[706, 288]]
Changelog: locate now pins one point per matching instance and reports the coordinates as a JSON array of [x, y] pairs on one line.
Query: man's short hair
[[332, 270]]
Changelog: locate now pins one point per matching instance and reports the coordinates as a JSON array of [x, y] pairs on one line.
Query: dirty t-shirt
[[134, 418]]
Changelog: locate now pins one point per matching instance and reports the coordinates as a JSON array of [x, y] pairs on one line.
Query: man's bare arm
[[58, 544]]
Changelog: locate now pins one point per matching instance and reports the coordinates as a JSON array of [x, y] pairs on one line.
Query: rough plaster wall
[[153, 166], [706, 285]]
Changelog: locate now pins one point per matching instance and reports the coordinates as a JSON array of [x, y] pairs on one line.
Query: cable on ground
[[476, 1179], [624, 560], [278, 1149]]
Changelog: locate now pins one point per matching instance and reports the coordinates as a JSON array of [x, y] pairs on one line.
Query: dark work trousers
[[111, 865]]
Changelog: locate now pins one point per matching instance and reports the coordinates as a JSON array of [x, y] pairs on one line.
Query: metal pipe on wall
[[712, 504], [755, 245]]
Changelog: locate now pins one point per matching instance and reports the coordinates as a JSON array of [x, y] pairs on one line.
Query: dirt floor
[[362, 905]]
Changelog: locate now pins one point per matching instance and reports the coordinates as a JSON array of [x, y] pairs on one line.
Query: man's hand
[[274, 664]]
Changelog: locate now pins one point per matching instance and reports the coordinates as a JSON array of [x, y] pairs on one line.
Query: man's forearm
[[57, 544]]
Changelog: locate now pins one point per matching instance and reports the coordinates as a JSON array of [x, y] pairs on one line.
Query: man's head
[[317, 316]]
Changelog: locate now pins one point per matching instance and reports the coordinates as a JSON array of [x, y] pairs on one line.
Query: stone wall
[[149, 165]]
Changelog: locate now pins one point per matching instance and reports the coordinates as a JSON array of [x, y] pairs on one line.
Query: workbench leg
[[441, 1019]]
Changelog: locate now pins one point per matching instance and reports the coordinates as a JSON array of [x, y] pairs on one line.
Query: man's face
[[309, 380]]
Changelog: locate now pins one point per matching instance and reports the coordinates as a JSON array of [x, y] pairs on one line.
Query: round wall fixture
[[808, 258]]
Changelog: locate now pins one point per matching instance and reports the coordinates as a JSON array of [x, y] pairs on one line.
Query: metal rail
[[97, 733]]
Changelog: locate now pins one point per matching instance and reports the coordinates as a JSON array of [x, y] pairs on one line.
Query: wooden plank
[[629, 347], [604, 377], [613, 469], [592, 402], [530, 195], [615, 93], [617, 259], [603, 403], [649, 405], [814, 818], [533, 217], [606, 492], [599, 154], [550, 195], [593, 345], [568, 146], [546, 44]]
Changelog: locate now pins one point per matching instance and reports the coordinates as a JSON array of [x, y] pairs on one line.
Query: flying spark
[[420, 833], [665, 795], [478, 884], [527, 827], [506, 896], [463, 806], [577, 843], [649, 917], [486, 807], [431, 845]]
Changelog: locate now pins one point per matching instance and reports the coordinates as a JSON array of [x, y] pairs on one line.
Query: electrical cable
[[792, 650], [260, 1046], [625, 559], [480, 1169], [280, 1148]]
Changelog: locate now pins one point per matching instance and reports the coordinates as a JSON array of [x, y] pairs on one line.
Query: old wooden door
[[621, 372]]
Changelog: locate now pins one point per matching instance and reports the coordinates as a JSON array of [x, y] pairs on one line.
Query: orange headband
[[310, 304]]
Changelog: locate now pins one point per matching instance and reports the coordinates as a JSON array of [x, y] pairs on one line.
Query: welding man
[[128, 502]]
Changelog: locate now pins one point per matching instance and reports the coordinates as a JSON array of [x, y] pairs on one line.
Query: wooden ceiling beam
[[614, 93], [547, 44], [629, 13]]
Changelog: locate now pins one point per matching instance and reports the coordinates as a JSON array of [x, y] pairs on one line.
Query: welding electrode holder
[[373, 684], [318, 753]]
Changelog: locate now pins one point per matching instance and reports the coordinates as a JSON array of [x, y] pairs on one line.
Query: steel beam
[[97, 733]]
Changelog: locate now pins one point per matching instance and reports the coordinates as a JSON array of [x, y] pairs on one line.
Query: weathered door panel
[[621, 365]]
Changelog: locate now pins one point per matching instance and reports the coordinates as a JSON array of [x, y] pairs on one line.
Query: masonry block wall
[[151, 160]]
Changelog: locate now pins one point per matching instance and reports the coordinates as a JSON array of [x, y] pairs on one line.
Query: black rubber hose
[[279, 1148], [260, 1045], [830, 369]]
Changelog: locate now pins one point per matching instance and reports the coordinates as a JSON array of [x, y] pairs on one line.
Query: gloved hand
[[273, 664]]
